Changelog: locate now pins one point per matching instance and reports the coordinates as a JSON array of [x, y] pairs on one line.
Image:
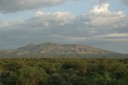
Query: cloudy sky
[[99, 23]]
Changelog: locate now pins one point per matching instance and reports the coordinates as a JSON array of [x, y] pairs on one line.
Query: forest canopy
[[63, 71]]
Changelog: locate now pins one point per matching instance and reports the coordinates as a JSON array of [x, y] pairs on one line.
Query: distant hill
[[56, 49]]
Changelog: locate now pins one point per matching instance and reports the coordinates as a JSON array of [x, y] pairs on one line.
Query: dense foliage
[[39, 71]]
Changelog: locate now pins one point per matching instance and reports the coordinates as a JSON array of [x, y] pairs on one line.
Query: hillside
[[54, 48]]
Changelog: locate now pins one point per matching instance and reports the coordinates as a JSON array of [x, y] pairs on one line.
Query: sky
[[98, 23]]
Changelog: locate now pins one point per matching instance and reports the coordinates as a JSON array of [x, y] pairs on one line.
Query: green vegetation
[[63, 71]]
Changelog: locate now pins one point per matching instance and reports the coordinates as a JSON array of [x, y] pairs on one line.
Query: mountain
[[54, 48]]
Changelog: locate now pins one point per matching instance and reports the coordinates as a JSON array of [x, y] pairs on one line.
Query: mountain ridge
[[54, 48]]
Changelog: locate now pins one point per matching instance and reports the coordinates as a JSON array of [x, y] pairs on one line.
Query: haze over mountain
[[54, 48]]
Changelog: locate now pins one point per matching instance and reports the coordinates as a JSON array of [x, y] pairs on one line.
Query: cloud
[[42, 26], [100, 25], [101, 9], [114, 37], [118, 35], [59, 18], [104, 21], [11, 6]]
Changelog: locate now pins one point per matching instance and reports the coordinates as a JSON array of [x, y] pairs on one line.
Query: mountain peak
[[49, 43], [31, 44]]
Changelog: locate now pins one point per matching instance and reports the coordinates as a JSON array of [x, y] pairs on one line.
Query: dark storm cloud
[[11, 6]]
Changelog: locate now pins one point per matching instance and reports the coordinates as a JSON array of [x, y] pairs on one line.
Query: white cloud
[[101, 19], [39, 20], [97, 22], [114, 37], [118, 35], [39, 13], [101, 9], [60, 18], [50, 20], [7, 25]]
